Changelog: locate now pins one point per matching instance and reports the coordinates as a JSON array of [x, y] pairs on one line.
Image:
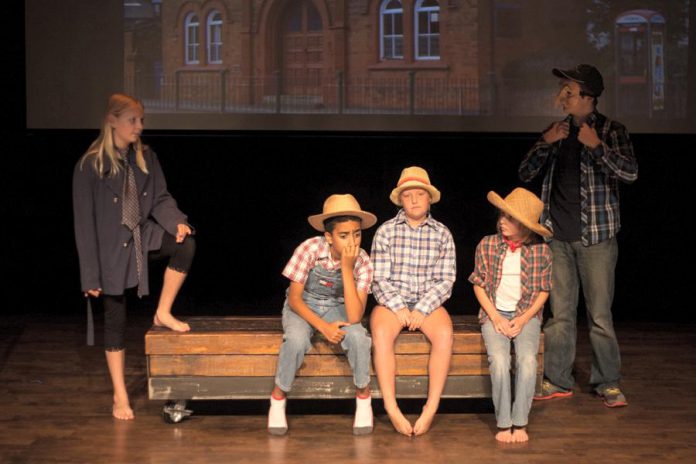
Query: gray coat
[[105, 246]]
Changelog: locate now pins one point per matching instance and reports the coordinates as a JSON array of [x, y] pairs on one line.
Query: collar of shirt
[[401, 218], [591, 119], [324, 253]]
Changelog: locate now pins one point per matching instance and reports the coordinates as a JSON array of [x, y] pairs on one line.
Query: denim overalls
[[323, 293]]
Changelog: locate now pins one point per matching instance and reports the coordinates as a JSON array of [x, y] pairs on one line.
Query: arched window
[[427, 27], [191, 44], [214, 37], [391, 30]]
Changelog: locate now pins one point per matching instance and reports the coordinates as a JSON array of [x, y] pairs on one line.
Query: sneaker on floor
[[612, 397], [550, 391]]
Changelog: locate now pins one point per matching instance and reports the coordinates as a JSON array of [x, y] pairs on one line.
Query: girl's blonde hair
[[103, 146]]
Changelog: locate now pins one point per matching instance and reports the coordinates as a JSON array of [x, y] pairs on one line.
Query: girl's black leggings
[[180, 258]]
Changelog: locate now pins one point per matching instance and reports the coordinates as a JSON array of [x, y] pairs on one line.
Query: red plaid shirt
[[316, 251], [535, 271]]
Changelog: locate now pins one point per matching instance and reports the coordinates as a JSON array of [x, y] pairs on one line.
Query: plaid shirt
[[316, 251], [601, 170], [535, 271], [413, 266]]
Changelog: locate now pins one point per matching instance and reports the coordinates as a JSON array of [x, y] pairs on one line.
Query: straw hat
[[342, 205], [524, 206], [414, 177]]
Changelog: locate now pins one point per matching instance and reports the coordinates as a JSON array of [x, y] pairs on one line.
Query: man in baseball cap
[[584, 157]]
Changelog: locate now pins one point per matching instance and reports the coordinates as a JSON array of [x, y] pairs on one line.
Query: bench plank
[[313, 365], [258, 388], [263, 335]]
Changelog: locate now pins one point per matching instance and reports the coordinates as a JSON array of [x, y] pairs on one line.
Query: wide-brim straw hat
[[524, 206], [342, 205], [414, 177]]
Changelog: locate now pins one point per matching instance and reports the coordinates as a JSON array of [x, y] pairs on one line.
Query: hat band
[[417, 179]]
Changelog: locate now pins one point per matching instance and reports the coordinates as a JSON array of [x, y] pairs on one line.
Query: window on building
[[391, 31], [214, 37], [427, 27], [191, 26]]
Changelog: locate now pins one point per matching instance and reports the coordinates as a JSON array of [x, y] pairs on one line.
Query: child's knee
[[356, 337], [499, 362], [296, 342]]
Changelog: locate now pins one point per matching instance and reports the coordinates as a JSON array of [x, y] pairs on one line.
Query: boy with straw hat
[[415, 269], [330, 277], [512, 280]]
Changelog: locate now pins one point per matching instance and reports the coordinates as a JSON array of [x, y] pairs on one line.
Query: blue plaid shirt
[[601, 170], [414, 267]]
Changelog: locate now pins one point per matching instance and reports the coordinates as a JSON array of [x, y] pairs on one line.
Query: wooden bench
[[235, 358]]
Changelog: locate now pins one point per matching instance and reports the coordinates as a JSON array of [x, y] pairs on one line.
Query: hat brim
[[367, 220], [566, 75], [434, 193], [498, 201]]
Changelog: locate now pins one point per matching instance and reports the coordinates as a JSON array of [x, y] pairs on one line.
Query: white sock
[[276, 414], [363, 412]]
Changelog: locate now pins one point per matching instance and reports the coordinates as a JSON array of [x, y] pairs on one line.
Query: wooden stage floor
[[56, 409]]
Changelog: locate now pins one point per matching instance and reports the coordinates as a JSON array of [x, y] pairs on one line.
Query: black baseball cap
[[584, 74]]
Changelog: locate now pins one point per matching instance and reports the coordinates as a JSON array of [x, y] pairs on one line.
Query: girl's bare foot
[[519, 435], [163, 319], [122, 409], [504, 436], [400, 423], [425, 420]]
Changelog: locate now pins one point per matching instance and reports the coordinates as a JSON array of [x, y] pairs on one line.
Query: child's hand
[[332, 331], [349, 255], [182, 230], [501, 325], [516, 326], [404, 317], [417, 319]]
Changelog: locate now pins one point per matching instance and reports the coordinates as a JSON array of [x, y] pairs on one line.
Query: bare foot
[[519, 435], [122, 409], [425, 420], [504, 436], [400, 423], [163, 319]]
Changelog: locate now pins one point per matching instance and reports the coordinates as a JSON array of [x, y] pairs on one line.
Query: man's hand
[[559, 130], [588, 136]]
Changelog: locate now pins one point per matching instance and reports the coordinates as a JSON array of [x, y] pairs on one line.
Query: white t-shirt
[[509, 291]]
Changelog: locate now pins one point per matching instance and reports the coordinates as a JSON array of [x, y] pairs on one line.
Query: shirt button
[[115, 199], [144, 194], [125, 244]]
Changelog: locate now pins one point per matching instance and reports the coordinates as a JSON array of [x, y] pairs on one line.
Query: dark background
[[248, 195]]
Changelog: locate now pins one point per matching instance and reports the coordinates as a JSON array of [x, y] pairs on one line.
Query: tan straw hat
[[342, 205], [524, 206], [414, 177]]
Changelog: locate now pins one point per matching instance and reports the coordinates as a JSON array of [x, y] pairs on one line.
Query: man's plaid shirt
[[601, 170]]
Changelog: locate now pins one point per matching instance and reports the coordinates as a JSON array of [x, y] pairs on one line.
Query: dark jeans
[[592, 267], [180, 258]]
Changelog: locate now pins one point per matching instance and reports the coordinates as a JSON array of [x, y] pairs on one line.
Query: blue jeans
[[593, 268], [508, 413], [296, 343]]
